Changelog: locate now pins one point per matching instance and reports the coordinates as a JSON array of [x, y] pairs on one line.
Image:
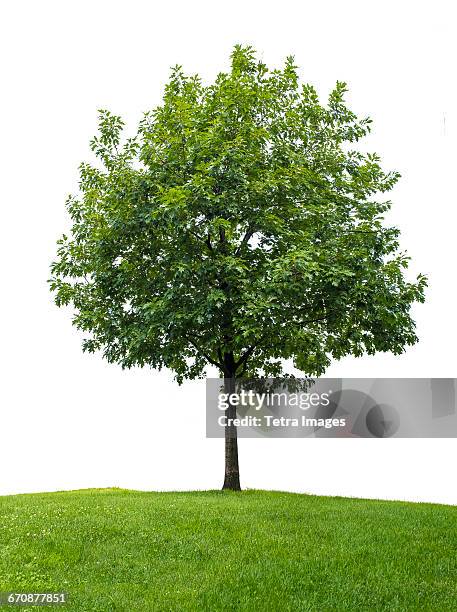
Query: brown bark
[[232, 471]]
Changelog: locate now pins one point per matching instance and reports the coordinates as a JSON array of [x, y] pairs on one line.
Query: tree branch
[[248, 352], [206, 242], [219, 354], [248, 235], [218, 365]]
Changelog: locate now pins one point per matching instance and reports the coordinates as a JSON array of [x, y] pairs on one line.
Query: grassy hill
[[113, 549]]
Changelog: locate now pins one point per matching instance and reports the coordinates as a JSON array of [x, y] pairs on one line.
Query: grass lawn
[[113, 549]]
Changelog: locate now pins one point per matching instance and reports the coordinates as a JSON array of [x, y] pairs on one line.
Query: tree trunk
[[232, 472]]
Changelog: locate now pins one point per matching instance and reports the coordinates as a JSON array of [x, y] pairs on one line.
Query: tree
[[240, 227]]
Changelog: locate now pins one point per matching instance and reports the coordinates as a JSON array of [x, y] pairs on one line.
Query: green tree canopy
[[240, 227]]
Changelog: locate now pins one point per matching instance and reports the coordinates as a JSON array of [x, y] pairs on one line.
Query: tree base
[[232, 483]]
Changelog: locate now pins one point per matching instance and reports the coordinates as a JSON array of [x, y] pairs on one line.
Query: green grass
[[113, 549]]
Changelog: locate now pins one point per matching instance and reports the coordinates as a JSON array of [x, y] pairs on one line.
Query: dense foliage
[[241, 227]]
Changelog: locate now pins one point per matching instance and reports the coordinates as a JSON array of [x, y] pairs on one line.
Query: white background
[[69, 420]]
